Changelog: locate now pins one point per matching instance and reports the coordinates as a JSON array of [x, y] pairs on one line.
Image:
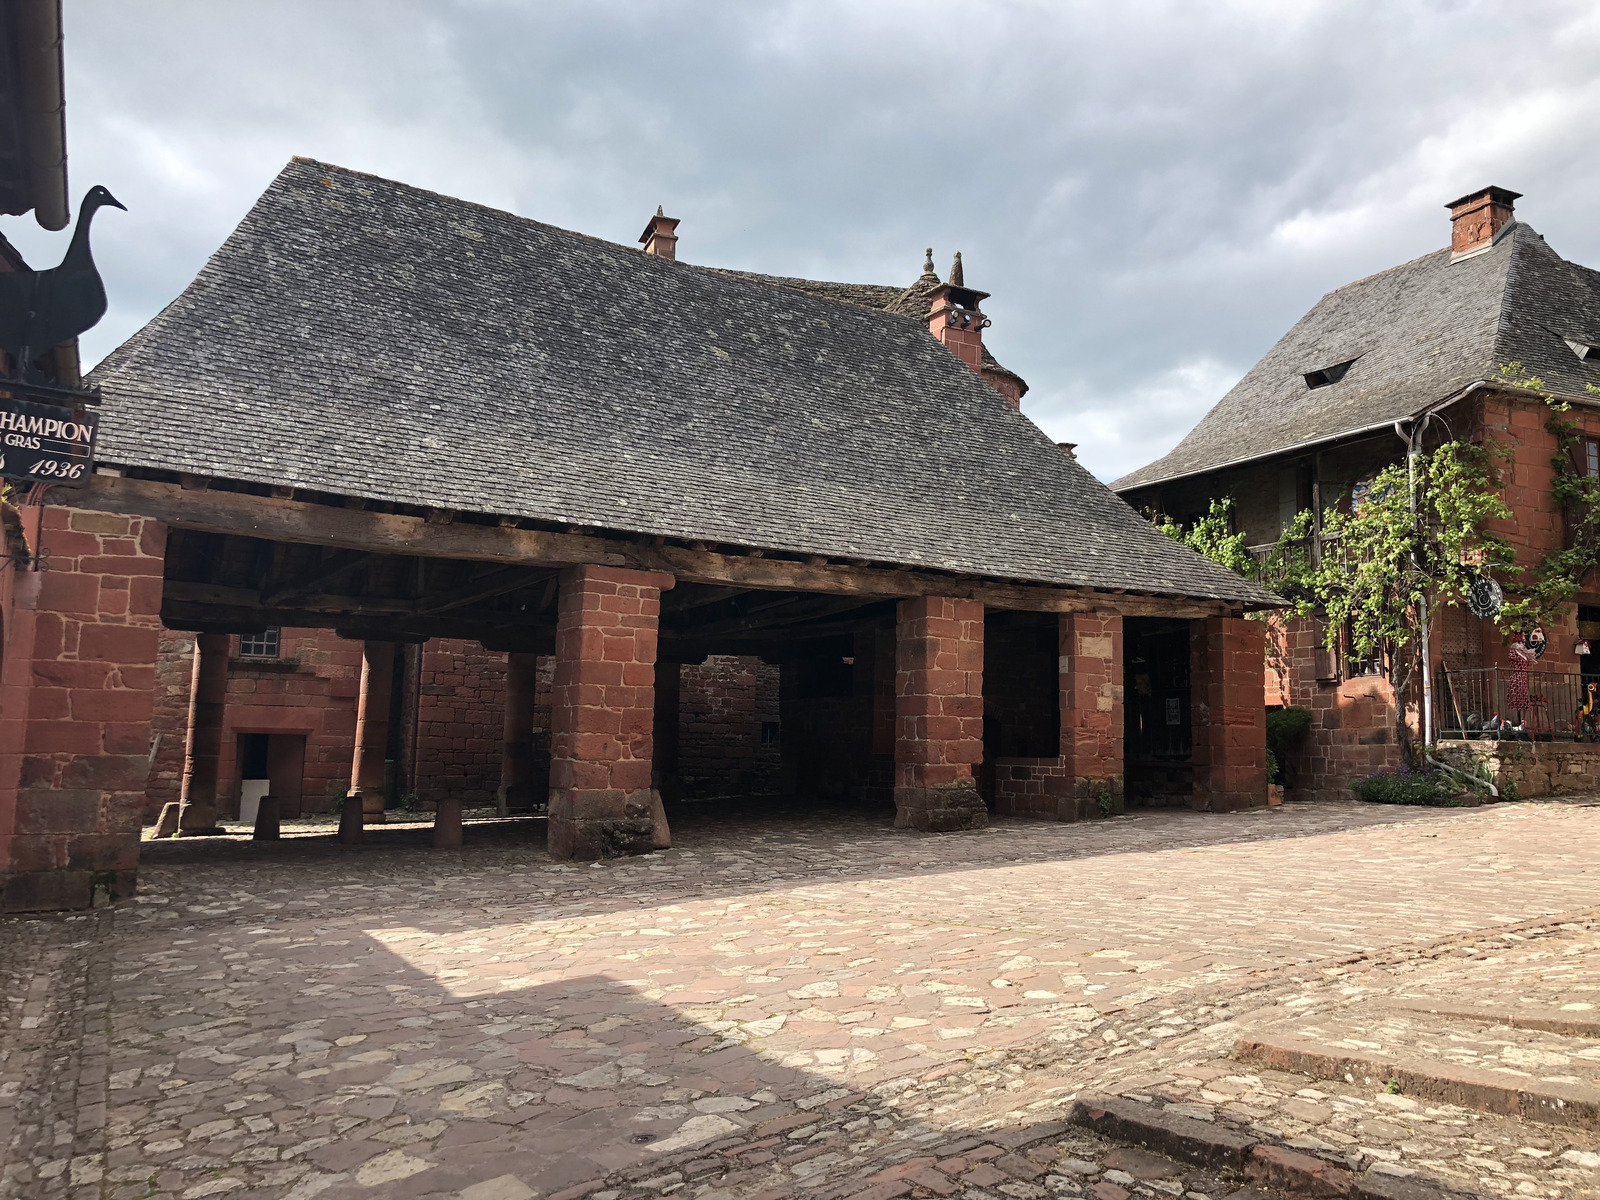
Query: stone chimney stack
[[1478, 217], [659, 237], [954, 317]]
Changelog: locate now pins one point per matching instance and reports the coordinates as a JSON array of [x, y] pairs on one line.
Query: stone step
[[1583, 1024], [1453, 1057], [1263, 1163]]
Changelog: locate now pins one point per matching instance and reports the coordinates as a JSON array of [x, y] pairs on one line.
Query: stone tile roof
[[365, 338], [914, 301], [1419, 333]]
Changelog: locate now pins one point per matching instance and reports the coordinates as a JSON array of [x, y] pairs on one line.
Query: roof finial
[[956, 277], [927, 262]]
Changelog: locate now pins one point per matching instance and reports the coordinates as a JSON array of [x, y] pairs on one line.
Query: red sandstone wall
[[461, 721], [75, 700], [722, 704], [308, 691]]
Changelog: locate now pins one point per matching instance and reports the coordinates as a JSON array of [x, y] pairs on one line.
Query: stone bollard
[[267, 820], [447, 823], [167, 823], [660, 832], [350, 820]]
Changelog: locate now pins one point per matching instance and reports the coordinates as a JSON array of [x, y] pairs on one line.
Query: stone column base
[[198, 820], [590, 824], [940, 809], [372, 803]]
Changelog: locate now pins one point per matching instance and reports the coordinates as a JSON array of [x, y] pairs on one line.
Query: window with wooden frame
[[1583, 454], [265, 644]]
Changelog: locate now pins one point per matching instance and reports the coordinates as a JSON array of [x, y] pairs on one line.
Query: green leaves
[[1381, 559], [1212, 536]]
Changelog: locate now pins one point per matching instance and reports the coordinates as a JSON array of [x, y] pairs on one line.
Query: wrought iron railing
[[1489, 704]]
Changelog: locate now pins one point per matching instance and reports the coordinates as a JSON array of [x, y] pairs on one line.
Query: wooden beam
[[243, 597], [486, 587], [325, 572], [387, 533]]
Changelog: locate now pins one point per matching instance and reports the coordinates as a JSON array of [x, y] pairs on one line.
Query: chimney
[[1478, 217], [955, 320], [659, 237]]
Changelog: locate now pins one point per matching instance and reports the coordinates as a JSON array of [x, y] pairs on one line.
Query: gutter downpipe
[[1413, 449], [1413, 441]]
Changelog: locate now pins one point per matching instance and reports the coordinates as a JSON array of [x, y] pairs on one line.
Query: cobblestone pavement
[[789, 1003]]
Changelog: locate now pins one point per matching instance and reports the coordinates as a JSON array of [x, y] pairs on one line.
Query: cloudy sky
[[1153, 192]]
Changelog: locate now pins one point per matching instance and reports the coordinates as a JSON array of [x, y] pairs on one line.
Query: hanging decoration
[[1485, 598]]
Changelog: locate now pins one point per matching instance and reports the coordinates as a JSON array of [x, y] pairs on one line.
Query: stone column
[[202, 747], [76, 691], [603, 712], [938, 714], [1228, 666], [1092, 728], [372, 729], [516, 758]]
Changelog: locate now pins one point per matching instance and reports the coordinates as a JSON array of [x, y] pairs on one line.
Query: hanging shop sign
[[47, 443]]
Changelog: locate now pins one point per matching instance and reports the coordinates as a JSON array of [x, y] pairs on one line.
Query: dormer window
[[1327, 375], [1587, 351]]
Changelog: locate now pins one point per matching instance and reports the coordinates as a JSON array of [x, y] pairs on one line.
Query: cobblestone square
[[789, 1002]]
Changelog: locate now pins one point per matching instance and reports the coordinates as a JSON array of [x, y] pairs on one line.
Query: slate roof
[[365, 338], [914, 301], [1420, 333]]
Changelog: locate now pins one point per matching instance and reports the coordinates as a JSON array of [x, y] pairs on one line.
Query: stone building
[[405, 418], [292, 692], [1337, 398]]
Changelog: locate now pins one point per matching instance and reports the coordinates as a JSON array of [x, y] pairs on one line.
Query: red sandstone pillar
[[1228, 665], [938, 714], [202, 747], [372, 729], [1091, 713], [76, 691], [602, 713], [516, 758]]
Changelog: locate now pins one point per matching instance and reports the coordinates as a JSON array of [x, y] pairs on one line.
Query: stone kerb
[[602, 714], [938, 714], [76, 692]]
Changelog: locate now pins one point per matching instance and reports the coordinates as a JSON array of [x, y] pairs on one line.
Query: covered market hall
[[399, 416]]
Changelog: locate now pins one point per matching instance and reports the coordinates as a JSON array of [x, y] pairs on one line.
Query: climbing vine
[[1551, 585], [1212, 535], [1385, 562]]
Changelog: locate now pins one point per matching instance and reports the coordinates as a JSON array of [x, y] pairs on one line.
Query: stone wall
[[1533, 769], [1352, 720], [723, 703], [76, 691], [461, 721], [309, 691]]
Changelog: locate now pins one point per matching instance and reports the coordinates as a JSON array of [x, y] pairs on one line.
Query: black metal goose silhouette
[[41, 309]]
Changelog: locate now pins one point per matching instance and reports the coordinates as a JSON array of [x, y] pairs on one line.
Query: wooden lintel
[[242, 597], [387, 533]]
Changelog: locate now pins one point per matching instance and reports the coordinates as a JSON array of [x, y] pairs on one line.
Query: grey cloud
[[1153, 192]]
